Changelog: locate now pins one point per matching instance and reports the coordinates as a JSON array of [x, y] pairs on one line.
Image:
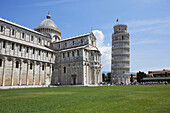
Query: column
[[34, 64], [50, 73], [87, 70], [6, 46], [1, 46], [90, 75], [45, 73], [86, 74], [20, 71], [4, 30], [3, 74], [94, 73], [28, 65], [97, 73], [119, 80], [10, 48], [40, 73], [123, 80], [14, 49], [12, 72]]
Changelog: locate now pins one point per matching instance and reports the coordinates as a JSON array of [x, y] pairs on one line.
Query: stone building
[[78, 61], [120, 55], [32, 57]]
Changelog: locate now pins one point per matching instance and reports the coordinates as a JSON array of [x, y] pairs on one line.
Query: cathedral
[[40, 57]]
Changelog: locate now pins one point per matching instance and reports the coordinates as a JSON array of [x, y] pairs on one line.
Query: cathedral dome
[[47, 24]]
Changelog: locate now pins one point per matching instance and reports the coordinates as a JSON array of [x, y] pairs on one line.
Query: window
[[12, 46], [32, 38], [39, 40], [13, 31], [122, 37], [91, 54], [81, 40], [0, 62], [65, 44], [92, 42], [77, 52], [63, 55], [72, 53], [2, 27], [33, 50], [27, 49], [56, 38], [17, 64], [20, 47], [23, 35], [39, 52], [68, 54], [31, 66], [59, 46], [64, 69], [51, 55], [73, 42], [4, 44], [42, 67], [47, 54]]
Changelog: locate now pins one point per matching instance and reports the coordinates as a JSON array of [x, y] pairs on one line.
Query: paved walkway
[[39, 86], [30, 86]]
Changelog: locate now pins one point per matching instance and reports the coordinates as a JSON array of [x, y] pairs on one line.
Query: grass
[[118, 99]]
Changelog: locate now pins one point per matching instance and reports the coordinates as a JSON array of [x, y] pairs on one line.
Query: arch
[[56, 38], [30, 66], [17, 64], [0, 62]]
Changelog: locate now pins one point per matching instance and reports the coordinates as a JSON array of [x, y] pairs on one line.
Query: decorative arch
[[56, 37]]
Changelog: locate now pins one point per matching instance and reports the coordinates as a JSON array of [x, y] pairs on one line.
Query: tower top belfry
[[120, 28]]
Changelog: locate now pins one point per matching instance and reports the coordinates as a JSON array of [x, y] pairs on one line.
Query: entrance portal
[[74, 79]]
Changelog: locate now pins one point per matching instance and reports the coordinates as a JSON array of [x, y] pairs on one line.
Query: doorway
[[74, 81]]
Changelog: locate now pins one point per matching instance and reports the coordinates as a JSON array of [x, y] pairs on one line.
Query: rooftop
[[17, 25]]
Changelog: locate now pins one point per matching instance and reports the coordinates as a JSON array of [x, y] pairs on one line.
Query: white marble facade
[[120, 55], [78, 61], [41, 57]]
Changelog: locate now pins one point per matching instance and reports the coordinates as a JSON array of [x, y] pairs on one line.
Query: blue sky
[[148, 24]]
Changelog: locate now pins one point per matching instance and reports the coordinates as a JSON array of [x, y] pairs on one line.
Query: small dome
[[48, 23]]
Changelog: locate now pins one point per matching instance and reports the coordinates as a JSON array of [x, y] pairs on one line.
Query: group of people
[[134, 83]]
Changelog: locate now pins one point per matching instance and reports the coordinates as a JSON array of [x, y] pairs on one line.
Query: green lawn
[[119, 99]]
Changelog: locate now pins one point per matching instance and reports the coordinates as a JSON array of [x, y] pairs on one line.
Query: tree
[[131, 78], [166, 74], [103, 77], [140, 76], [109, 76]]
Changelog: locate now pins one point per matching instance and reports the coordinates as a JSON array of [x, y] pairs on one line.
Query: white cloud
[[104, 49], [147, 41], [154, 26]]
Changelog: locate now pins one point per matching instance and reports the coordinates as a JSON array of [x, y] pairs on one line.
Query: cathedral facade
[[41, 57]]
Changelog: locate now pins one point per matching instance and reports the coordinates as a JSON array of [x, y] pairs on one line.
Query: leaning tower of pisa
[[120, 55]]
